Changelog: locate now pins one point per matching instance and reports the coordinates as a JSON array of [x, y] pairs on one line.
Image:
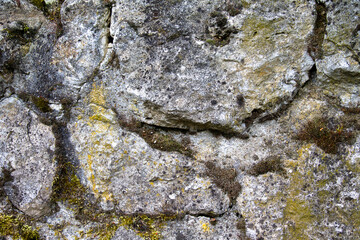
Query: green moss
[[15, 227], [148, 227], [40, 4], [52, 12], [68, 188], [317, 38], [41, 103], [233, 7], [156, 139], [145, 226], [23, 34]]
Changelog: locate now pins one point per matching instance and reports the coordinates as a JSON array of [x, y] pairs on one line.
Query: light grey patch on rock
[[27, 149]]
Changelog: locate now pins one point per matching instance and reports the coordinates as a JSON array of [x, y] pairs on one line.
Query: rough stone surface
[[339, 68], [27, 152], [126, 173], [180, 119], [172, 72]]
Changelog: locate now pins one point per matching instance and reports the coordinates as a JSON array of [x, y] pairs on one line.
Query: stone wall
[[179, 119]]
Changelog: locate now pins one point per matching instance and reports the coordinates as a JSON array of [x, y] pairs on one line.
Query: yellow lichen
[[97, 95]]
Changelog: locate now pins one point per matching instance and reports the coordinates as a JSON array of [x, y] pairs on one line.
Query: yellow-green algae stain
[[100, 122], [299, 219], [297, 214]]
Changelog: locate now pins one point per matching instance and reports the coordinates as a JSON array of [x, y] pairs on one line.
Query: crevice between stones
[[317, 37]]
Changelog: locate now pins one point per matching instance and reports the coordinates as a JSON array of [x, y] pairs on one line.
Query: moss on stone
[[270, 164], [298, 213], [155, 139], [17, 228], [225, 179], [40, 4], [323, 135], [316, 40], [24, 34], [41, 103], [147, 227]]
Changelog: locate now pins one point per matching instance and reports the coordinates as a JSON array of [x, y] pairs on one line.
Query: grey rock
[[124, 234], [79, 52], [120, 167], [27, 151], [192, 227], [339, 68], [173, 70]]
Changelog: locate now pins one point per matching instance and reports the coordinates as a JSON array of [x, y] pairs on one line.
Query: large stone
[[27, 151], [194, 65], [80, 50], [338, 70], [124, 172]]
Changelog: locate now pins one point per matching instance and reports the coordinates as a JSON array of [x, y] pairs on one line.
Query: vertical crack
[[317, 37]]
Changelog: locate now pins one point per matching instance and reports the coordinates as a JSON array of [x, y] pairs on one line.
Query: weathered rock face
[[27, 155], [198, 65], [180, 119], [339, 68]]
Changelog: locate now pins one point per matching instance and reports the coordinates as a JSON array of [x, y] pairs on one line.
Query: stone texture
[[339, 68], [127, 174], [181, 119], [27, 151], [172, 69]]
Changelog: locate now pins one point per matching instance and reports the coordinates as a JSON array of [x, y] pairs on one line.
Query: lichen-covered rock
[[193, 65], [192, 227], [121, 169], [27, 152], [180, 119]]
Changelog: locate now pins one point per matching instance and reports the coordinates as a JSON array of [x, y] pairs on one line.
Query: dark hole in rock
[[240, 100]]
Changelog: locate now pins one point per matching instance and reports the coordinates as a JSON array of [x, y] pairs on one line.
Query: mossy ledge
[[155, 138]]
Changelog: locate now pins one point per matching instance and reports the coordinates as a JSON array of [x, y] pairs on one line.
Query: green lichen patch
[[318, 195], [22, 33], [155, 138], [41, 103], [225, 179], [17, 228], [324, 135], [270, 164], [299, 215]]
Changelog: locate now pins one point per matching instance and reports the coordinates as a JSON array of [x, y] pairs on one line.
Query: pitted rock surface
[[179, 119]]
